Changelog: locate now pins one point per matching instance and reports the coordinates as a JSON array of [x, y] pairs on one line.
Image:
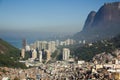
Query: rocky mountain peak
[[104, 23]]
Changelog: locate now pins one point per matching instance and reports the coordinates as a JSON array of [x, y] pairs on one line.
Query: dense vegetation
[[87, 52], [9, 55]]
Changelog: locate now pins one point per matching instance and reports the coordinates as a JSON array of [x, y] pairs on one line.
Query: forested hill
[[9, 55], [88, 51]]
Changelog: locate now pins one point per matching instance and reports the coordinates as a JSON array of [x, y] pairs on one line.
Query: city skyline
[[47, 15]]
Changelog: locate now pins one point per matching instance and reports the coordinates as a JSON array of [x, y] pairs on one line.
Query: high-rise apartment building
[[37, 45], [34, 54], [57, 43], [42, 45], [23, 53], [69, 42], [40, 56], [66, 54], [48, 55], [51, 46], [27, 48]]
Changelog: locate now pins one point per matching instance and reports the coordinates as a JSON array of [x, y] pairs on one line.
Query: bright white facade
[[27, 48], [40, 56], [23, 53], [66, 54], [34, 54], [51, 46]]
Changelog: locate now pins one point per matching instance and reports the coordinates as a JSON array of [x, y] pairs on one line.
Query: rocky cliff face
[[89, 20], [104, 23], [108, 14]]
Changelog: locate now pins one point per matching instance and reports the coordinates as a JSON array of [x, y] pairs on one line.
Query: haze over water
[[43, 19]]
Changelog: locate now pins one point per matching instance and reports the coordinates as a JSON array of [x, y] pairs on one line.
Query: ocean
[[15, 38]]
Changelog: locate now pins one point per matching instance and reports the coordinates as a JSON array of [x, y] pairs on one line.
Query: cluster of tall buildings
[[40, 45], [37, 54], [67, 42], [50, 45], [40, 48]]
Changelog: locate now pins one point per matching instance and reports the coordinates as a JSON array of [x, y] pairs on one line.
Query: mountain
[[104, 23], [9, 55], [90, 19]]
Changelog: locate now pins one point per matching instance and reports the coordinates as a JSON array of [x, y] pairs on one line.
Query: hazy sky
[[46, 15]]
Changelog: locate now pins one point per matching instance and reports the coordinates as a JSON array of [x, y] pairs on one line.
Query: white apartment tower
[[42, 45], [48, 55], [51, 46], [40, 56], [57, 43], [66, 54], [34, 54], [23, 53], [37, 45]]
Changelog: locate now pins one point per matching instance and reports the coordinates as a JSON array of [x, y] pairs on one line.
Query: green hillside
[[9, 55], [87, 52]]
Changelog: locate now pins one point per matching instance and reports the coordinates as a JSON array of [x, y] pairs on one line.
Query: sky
[[46, 15]]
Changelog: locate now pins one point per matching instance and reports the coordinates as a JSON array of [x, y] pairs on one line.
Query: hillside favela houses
[[102, 66], [90, 54]]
